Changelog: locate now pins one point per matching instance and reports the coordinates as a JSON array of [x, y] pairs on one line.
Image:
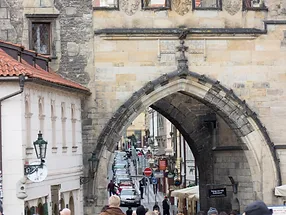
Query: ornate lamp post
[[40, 146], [91, 162]]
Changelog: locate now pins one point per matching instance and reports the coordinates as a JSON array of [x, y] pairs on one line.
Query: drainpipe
[[21, 84]]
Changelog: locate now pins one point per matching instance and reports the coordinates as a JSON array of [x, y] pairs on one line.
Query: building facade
[[48, 104]]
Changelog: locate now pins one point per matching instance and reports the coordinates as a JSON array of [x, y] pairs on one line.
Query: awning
[[189, 192], [280, 191]]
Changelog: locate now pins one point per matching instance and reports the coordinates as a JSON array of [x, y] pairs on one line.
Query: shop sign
[[278, 210], [218, 192], [162, 164]]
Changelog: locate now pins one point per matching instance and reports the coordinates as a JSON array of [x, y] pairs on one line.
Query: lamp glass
[[40, 146]]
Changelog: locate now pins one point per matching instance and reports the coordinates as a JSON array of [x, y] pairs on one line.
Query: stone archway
[[261, 155]]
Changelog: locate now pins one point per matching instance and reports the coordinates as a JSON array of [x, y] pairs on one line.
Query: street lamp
[[91, 162], [40, 146]]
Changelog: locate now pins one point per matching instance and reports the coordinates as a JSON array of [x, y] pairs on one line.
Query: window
[[207, 4], [106, 4], [41, 36], [254, 5], [155, 4]]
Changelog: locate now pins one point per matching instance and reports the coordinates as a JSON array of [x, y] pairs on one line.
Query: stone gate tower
[[125, 52]]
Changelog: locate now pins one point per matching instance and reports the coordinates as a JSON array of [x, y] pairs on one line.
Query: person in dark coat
[[141, 188], [129, 211], [166, 206], [111, 188], [140, 210]]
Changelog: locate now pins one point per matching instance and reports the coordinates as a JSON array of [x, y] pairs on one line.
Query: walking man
[[111, 188], [141, 188], [166, 206]]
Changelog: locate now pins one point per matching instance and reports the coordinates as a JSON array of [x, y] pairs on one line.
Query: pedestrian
[[111, 188], [233, 213], [166, 206], [113, 206], [129, 211], [65, 211], [201, 213], [212, 211], [222, 213], [140, 210], [156, 208], [1, 209], [257, 208], [141, 188]]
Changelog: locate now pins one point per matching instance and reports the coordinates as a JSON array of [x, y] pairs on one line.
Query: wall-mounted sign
[[218, 192], [162, 164], [278, 210]]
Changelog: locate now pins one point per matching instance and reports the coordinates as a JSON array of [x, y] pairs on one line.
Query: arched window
[[71, 205], [62, 203], [40, 209]]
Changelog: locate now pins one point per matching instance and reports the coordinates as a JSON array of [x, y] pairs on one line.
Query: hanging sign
[[218, 192], [162, 164]]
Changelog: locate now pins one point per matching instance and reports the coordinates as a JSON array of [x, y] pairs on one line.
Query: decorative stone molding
[[29, 150], [64, 119], [54, 149], [181, 7], [74, 149], [232, 6], [130, 7], [64, 149], [28, 115]]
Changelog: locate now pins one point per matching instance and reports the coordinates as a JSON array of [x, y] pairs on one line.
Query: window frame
[[44, 18], [244, 8], [31, 39], [108, 8], [218, 8], [166, 7]]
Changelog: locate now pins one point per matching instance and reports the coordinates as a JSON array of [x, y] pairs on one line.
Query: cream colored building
[[52, 105]]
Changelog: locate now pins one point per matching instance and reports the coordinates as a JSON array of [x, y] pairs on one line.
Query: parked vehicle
[[130, 197]]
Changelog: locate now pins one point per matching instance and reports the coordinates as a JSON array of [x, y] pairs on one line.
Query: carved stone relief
[[232, 6], [181, 6], [130, 7]]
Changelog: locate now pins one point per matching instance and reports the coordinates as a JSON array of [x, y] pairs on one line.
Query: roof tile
[[11, 67]]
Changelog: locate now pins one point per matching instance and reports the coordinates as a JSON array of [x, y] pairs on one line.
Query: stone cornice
[[178, 31]]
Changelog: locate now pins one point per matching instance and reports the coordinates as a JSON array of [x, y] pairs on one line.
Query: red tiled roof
[[11, 67]]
